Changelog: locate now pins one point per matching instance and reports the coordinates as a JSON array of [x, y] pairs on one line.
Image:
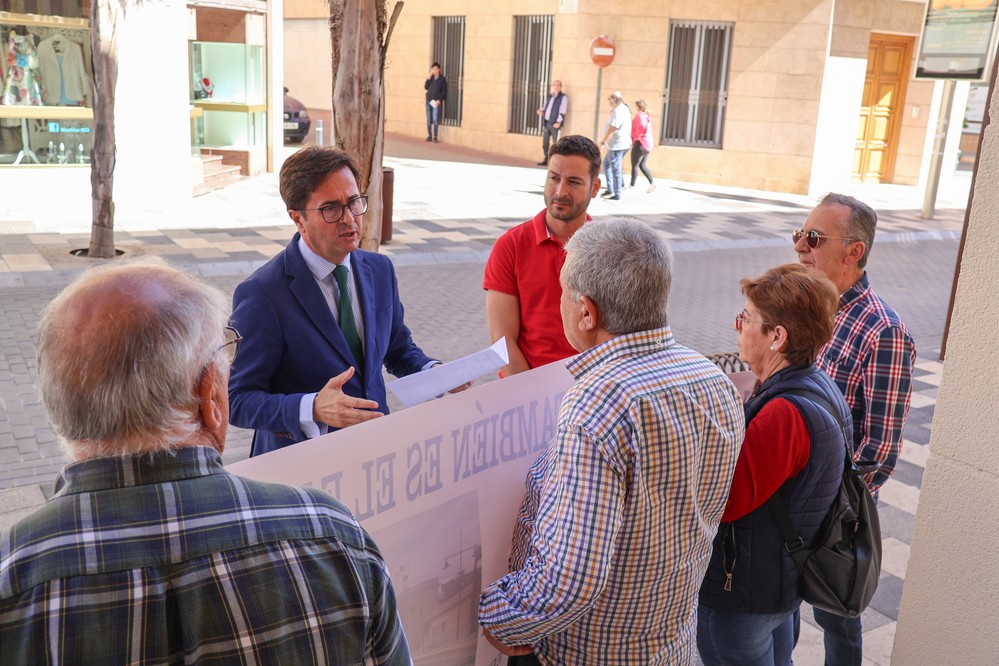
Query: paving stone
[[889, 595], [10, 518], [14, 499], [908, 473], [896, 523]]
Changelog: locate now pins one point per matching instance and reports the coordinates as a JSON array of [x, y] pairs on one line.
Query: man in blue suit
[[315, 336]]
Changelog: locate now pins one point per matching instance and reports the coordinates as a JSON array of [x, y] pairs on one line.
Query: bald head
[[121, 354]]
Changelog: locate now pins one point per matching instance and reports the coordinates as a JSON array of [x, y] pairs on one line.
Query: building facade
[[784, 95]]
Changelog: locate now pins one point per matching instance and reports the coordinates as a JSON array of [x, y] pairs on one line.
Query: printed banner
[[438, 487]]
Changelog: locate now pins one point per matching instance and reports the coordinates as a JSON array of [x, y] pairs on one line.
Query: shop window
[[696, 83], [46, 98], [532, 72], [229, 95], [449, 51]]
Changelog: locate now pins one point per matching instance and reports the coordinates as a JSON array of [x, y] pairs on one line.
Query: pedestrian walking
[[641, 137], [616, 140]]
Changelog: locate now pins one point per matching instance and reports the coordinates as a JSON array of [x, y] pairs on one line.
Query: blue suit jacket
[[292, 344]]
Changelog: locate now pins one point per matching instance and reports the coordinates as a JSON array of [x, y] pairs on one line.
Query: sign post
[[602, 55]]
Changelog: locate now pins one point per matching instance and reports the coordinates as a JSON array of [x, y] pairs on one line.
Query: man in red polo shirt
[[521, 277]]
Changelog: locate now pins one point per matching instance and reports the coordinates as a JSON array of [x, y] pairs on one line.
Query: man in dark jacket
[[436, 87], [552, 114]]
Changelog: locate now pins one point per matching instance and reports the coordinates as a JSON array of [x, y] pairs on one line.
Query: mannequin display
[[206, 87], [22, 84], [61, 65]]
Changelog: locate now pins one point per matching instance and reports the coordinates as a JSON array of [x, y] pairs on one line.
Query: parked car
[[296, 119]]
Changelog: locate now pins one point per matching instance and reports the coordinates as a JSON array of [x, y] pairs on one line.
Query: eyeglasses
[[231, 344], [813, 237], [333, 212], [741, 319]]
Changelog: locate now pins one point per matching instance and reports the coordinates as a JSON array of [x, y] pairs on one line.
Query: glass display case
[[228, 95], [45, 102]]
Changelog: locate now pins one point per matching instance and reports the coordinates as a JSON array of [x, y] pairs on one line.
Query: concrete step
[[210, 162], [210, 173]]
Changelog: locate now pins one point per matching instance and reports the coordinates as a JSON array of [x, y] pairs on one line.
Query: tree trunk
[[359, 32], [105, 19]]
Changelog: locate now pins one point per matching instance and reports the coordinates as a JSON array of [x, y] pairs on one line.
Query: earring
[[773, 347]]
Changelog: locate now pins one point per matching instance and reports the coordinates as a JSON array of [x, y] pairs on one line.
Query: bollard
[[388, 186], [319, 132]]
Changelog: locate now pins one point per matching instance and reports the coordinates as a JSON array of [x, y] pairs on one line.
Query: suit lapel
[[303, 287], [366, 293]]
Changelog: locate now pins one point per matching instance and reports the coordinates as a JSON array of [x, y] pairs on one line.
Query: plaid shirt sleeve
[[887, 390], [578, 517], [387, 645]]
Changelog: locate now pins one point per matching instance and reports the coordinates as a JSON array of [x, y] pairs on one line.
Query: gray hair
[[123, 380], [626, 269], [862, 222]]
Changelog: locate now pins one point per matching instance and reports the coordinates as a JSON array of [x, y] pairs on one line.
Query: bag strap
[[858, 467], [825, 404], [793, 543]]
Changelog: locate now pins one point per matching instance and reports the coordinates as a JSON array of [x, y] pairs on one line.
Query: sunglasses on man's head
[[813, 237]]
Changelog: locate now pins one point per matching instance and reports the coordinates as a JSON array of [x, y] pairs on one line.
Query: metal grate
[[532, 72], [696, 83], [449, 51]]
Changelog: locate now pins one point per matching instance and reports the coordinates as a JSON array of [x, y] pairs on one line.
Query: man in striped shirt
[[614, 534], [870, 357], [149, 552]]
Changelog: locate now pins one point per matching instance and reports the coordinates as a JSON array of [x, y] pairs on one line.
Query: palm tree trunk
[[105, 18]]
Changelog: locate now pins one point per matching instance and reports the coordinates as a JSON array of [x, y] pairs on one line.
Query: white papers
[[422, 386]]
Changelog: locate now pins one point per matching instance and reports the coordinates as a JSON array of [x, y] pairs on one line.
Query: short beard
[[572, 213]]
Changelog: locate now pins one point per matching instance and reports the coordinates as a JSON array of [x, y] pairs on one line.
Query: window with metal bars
[[449, 51], [696, 83], [532, 72]]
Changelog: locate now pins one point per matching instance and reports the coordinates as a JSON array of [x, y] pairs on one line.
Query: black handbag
[[840, 570]]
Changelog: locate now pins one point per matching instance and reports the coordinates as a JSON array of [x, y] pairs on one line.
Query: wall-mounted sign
[[958, 38]]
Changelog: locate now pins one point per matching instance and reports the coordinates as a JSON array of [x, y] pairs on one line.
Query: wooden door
[[888, 61]]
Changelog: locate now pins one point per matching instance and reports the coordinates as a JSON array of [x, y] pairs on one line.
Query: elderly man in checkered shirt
[[870, 357], [149, 552], [614, 534]]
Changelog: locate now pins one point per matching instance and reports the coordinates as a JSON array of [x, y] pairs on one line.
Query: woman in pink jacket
[[641, 136]]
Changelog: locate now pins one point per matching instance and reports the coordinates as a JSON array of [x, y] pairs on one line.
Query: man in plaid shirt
[[870, 357], [149, 552], [614, 534]]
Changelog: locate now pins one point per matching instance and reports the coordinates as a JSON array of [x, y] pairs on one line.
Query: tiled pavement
[[718, 235]]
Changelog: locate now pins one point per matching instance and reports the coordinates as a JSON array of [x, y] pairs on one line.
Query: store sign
[[54, 126], [958, 39]]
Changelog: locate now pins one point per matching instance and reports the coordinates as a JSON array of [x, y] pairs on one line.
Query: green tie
[[347, 325]]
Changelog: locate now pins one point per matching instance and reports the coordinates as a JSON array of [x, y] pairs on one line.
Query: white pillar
[[152, 122], [950, 602]]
